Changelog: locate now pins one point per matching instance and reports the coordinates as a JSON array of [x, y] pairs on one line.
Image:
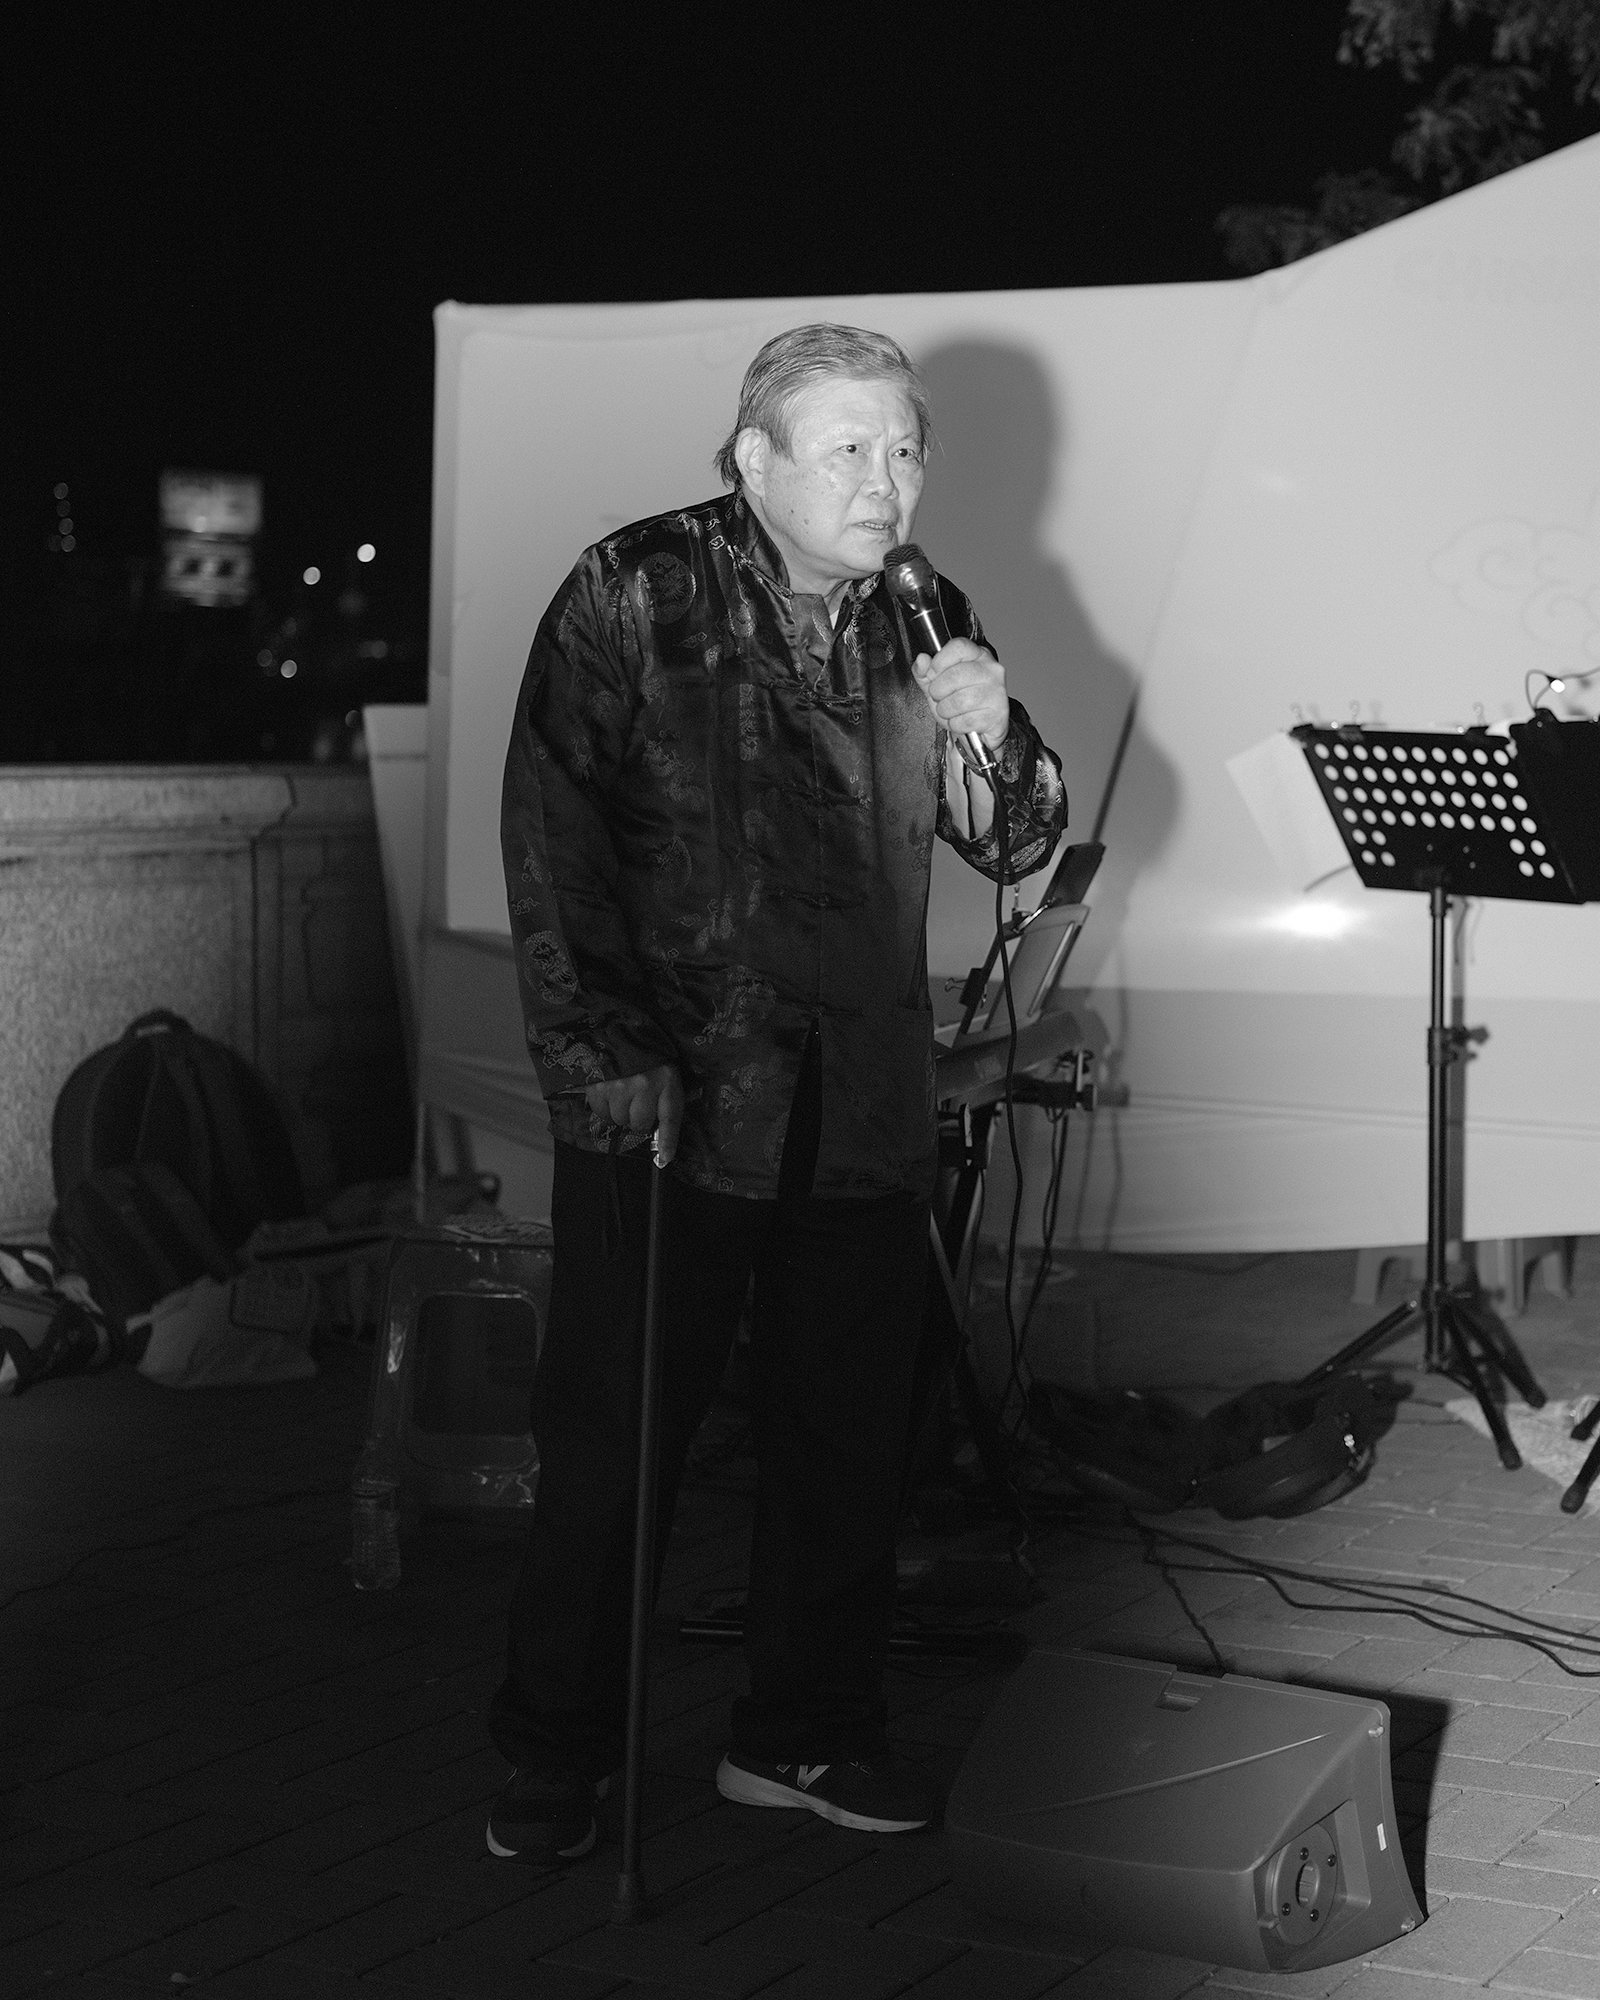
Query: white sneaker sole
[[745, 1788], [583, 1847]]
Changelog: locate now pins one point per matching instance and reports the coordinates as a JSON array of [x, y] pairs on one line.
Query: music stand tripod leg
[[1473, 1379], [1578, 1491], [1495, 1341]]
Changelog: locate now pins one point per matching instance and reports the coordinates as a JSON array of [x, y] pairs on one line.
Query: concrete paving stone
[[142, 1910], [76, 1809], [94, 1986], [806, 1935], [1264, 1663], [200, 1951], [1392, 1982], [832, 1981], [1515, 1586], [34, 1853], [448, 1968], [705, 1908], [21, 1918], [1580, 1817], [1401, 1533], [437, 1791], [1544, 1672], [983, 1973], [1277, 1636], [561, 1905], [1379, 1567], [282, 1975], [732, 1966], [816, 1851], [1494, 1730], [1493, 1659], [1231, 1983], [882, 1882], [1579, 1608], [1521, 1492], [1381, 1663], [149, 1763], [470, 1876], [1058, 1619], [1437, 1683], [370, 1938], [1542, 1971], [1506, 1881], [1482, 1826], [722, 1836], [1563, 1756], [1567, 1854], [1529, 1781], [944, 1915], [1578, 1931], [337, 1831], [1123, 1973], [38, 1961], [1584, 1727], [1466, 1939]]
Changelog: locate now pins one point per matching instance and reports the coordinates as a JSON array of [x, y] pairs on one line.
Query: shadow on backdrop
[[1004, 449]]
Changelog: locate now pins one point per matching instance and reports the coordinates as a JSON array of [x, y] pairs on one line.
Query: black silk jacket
[[717, 822]]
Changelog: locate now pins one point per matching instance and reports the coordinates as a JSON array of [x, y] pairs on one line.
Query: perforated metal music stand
[[1460, 815]]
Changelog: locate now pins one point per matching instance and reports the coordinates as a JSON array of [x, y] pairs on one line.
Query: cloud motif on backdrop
[[1547, 578]]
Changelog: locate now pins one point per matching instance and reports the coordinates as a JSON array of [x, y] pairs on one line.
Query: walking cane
[[630, 1905]]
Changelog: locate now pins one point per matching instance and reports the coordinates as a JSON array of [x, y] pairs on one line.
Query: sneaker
[[886, 1795], [543, 1820]]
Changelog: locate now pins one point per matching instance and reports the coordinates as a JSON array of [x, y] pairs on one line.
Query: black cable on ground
[[1363, 1594]]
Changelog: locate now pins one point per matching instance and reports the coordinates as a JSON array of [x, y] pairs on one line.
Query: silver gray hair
[[791, 362]]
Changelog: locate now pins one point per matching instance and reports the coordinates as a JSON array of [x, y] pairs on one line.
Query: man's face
[[847, 492]]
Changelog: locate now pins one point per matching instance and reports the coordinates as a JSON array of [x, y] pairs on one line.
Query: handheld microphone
[[908, 576]]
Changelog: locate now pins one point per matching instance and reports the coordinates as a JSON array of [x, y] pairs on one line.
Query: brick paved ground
[[221, 1768]]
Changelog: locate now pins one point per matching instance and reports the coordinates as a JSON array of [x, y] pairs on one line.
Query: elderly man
[[726, 773]]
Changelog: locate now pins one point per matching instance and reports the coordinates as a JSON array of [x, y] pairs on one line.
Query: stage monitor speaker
[[1233, 1820]]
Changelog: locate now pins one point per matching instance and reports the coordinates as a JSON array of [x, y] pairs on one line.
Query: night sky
[[234, 236]]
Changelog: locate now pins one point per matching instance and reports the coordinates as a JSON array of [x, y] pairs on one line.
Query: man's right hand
[[640, 1103]]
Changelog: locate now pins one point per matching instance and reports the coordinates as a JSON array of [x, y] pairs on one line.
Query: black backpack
[[1278, 1449], [168, 1149]]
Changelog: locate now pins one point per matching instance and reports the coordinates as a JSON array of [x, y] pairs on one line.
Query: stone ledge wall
[[250, 901]]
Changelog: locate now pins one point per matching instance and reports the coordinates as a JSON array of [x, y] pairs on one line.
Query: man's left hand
[[966, 689]]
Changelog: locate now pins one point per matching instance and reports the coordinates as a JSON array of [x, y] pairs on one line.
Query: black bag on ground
[[1280, 1449], [1277, 1449], [137, 1233], [164, 1094]]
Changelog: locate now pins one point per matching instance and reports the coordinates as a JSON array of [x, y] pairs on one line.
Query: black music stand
[[1460, 815]]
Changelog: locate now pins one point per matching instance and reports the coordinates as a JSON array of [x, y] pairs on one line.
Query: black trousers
[[838, 1314]]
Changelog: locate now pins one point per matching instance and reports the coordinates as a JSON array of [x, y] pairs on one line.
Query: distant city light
[[312, 575], [66, 529], [366, 552], [264, 657], [61, 489], [69, 541], [288, 670]]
